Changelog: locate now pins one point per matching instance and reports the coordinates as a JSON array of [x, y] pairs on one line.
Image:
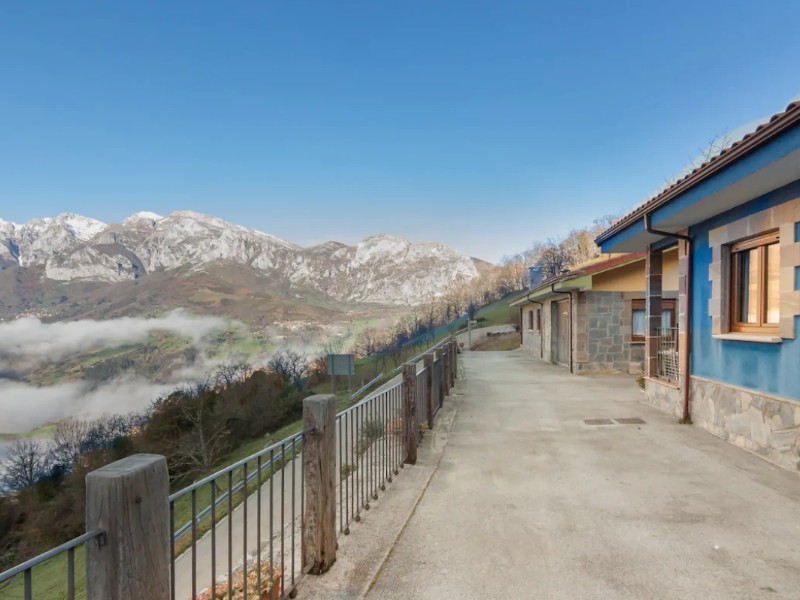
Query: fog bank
[[24, 407], [31, 338]]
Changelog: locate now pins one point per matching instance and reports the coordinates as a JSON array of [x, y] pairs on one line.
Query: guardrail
[[282, 508]]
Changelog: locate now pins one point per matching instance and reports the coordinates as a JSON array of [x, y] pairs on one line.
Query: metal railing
[[668, 353], [242, 529], [369, 443], [253, 542], [25, 589]]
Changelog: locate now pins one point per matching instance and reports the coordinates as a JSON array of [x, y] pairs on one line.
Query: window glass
[[666, 318], [747, 291], [773, 283], [638, 329]]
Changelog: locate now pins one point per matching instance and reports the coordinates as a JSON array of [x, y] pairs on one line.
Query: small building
[[593, 317], [735, 222]]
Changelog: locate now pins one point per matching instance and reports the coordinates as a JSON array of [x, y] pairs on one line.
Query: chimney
[[534, 276]]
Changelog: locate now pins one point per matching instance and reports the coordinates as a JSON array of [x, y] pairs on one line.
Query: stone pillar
[[653, 265]]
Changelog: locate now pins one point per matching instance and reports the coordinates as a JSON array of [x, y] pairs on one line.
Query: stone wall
[[766, 425], [606, 322], [663, 396]]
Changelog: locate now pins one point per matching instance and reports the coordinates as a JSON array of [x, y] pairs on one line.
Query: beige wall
[[531, 340], [630, 278]]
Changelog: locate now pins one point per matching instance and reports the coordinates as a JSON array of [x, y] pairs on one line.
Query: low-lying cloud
[[30, 337], [24, 407]]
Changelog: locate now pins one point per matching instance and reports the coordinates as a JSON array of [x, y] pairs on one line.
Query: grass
[[498, 343], [496, 313], [50, 580]]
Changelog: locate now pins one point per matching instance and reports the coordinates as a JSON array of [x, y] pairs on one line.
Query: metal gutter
[[763, 134]]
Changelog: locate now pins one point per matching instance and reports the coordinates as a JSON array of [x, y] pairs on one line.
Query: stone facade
[[766, 425], [605, 323], [663, 396]]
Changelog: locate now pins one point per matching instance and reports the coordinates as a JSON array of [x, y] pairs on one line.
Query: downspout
[[569, 293], [685, 356]]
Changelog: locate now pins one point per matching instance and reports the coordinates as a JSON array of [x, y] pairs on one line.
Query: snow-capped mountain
[[384, 268]]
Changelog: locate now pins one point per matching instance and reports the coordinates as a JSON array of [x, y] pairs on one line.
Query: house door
[[562, 333]]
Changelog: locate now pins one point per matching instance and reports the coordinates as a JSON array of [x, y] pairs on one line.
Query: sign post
[[341, 364]]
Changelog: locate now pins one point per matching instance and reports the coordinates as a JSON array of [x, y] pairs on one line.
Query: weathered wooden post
[[453, 363], [410, 430], [446, 358], [441, 373], [319, 464], [428, 358], [129, 499]]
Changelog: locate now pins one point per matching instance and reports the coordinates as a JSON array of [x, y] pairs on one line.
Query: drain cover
[[630, 421], [598, 421]]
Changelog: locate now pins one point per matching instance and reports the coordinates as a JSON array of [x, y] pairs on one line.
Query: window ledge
[[760, 338]]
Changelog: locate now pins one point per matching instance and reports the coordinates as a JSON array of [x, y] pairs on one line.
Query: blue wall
[[768, 368]]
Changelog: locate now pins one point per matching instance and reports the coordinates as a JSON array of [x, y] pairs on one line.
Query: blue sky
[[486, 125]]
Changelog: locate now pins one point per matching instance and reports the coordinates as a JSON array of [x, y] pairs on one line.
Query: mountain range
[[85, 254]]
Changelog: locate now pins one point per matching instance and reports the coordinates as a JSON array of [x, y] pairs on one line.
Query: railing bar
[[71, 574], [244, 532], [341, 479], [29, 584], [213, 485], [172, 549], [271, 511], [230, 535], [29, 564], [258, 525], [194, 544], [294, 477], [283, 514]]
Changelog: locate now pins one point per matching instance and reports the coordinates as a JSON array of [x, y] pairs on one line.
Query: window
[[539, 320], [755, 285], [530, 319], [638, 321]]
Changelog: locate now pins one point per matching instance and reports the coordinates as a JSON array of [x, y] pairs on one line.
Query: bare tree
[[291, 366], [206, 439], [228, 375], [70, 440], [25, 464]]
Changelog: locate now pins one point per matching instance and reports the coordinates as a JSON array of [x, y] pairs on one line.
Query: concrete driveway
[[529, 501]]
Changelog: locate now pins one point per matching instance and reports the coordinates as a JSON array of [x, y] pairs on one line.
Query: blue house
[[736, 223]]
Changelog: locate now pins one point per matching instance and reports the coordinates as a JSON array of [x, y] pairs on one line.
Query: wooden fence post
[[442, 373], [428, 358], [453, 352], [319, 464], [410, 430], [129, 499], [447, 366], [455, 361]]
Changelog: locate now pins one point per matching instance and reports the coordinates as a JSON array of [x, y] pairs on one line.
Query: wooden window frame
[[667, 305], [759, 242]]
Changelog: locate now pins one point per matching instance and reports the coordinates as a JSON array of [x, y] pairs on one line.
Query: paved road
[[531, 502]]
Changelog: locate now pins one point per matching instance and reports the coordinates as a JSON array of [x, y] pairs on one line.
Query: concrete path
[[531, 502]]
